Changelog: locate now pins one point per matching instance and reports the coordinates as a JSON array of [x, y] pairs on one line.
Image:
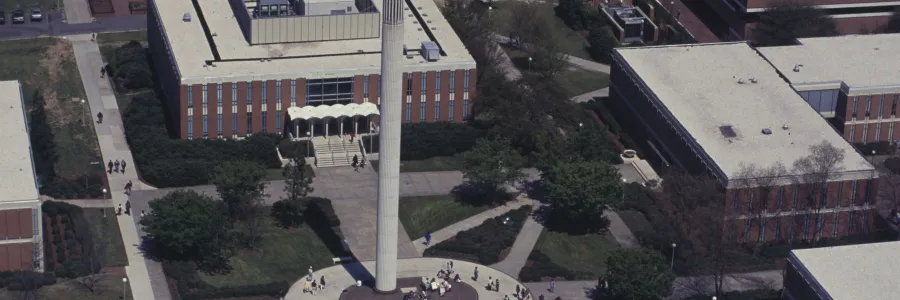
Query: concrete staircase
[[335, 151]]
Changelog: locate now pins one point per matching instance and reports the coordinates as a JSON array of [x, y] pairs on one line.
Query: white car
[[36, 15]]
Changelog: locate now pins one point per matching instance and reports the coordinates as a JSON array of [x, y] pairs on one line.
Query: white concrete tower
[[389, 139]]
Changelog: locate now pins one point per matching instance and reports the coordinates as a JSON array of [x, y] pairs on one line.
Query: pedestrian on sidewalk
[[451, 265], [128, 188], [142, 214], [119, 210], [518, 290], [116, 164], [355, 163], [109, 166], [427, 238], [678, 13], [552, 285], [362, 163], [123, 166], [352, 136], [93, 36], [102, 72], [497, 285], [100, 117], [322, 282], [475, 277]]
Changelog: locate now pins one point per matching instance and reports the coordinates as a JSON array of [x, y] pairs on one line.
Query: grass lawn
[[108, 288], [584, 253], [438, 163], [421, 215], [571, 43], [46, 7], [106, 231], [109, 42], [46, 67], [574, 81], [283, 255]]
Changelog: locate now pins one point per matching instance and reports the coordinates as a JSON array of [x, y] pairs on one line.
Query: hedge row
[[25, 280], [745, 295], [426, 140], [291, 149], [72, 239], [61, 188], [165, 162], [541, 268], [190, 286], [484, 243]]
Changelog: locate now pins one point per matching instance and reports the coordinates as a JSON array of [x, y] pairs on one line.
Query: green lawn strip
[[582, 255], [421, 215], [571, 43], [283, 255], [107, 236], [437, 163], [573, 80]]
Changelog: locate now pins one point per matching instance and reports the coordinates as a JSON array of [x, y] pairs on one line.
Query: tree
[[253, 212], [814, 172], [893, 25], [783, 23], [638, 274], [91, 272], [474, 29], [602, 43], [579, 192], [493, 163], [591, 143], [130, 67], [188, 225], [760, 184], [42, 139], [570, 11], [237, 182], [297, 185]]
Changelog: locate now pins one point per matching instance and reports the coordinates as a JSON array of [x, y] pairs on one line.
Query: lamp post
[[124, 288], [529, 63], [624, 181], [672, 266], [104, 193], [873, 158], [308, 141], [490, 10], [82, 112]]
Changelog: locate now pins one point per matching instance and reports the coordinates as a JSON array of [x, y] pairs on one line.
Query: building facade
[[851, 16], [724, 123], [21, 229], [222, 86]]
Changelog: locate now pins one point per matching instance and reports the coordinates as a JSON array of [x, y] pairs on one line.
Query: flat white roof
[[191, 50], [18, 182], [867, 271], [699, 85], [867, 64]]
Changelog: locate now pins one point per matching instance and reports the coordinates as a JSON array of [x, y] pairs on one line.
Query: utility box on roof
[[431, 51]]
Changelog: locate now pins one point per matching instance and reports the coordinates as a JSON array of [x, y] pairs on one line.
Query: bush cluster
[[614, 126], [425, 140], [62, 188], [190, 286], [72, 239], [130, 67], [25, 280], [745, 295], [292, 149], [483, 243], [320, 209], [165, 162], [540, 266]]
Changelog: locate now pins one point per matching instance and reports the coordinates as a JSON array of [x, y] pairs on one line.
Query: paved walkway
[[111, 138], [340, 277], [471, 222], [77, 11], [517, 257], [620, 231]]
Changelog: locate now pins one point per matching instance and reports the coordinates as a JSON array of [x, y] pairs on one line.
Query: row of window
[[437, 111], [736, 203], [865, 132], [234, 123], [322, 91], [880, 105], [809, 232]]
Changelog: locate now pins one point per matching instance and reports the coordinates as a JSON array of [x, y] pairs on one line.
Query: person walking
[[102, 72], [497, 285], [109, 166], [143, 214], [123, 166], [451, 265], [128, 187], [362, 163], [93, 36], [322, 282], [427, 238], [355, 163], [352, 136], [475, 277], [119, 210], [552, 285], [99, 117], [116, 164]]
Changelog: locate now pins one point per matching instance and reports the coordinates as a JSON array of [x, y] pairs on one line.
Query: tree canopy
[[602, 43], [579, 192], [238, 182], [187, 225], [784, 23], [492, 163], [297, 185], [638, 274]]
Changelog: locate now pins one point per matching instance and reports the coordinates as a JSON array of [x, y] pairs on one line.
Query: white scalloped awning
[[333, 111]]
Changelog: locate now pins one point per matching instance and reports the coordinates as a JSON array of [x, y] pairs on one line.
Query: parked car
[[2, 17], [18, 17], [36, 15]]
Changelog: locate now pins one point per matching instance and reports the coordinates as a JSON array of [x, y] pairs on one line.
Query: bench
[[406, 290], [341, 259]]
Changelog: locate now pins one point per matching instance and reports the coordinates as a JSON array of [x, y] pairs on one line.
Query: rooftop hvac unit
[[187, 17], [431, 51]]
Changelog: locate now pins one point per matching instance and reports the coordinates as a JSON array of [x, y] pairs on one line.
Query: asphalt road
[[53, 25]]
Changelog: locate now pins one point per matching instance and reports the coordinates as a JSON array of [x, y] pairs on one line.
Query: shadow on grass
[[333, 240], [479, 194]]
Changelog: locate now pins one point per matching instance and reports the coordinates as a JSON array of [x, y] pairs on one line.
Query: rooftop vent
[[727, 131], [785, 126], [741, 81], [797, 67], [187, 17], [753, 79], [766, 131], [431, 51]]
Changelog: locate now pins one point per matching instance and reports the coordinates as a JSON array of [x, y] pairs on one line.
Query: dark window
[[190, 127], [233, 123], [466, 83], [234, 94], [780, 198], [894, 106], [249, 122], [204, 95], [465, 109], [881, 106], [249, 93], [868, 105], [424, 81], [190, 99], [408, 83], [408, 109], [855, 105], [219, 121], [205, 126], [450, 113], [329, 91], [278, 122], [278, 91], [422, 112], [437, 82], [265, 95], [777, 228], [219, 95], [452, 81], [366, 86]]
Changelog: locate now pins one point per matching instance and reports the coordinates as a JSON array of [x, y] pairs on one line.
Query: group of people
[[113, 166], [311, 285], [356, 163]]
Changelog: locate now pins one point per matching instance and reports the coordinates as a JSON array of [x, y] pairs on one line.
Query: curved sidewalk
[[339, 277]]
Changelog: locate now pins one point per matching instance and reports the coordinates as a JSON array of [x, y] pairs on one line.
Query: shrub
[[483, 243], [320, 209], [130, 68], [165, 162], [425, 140], [540, 266], [291, 149], [288, 213]]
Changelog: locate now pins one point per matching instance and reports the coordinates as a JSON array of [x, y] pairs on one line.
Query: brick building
[[21, 245], [865, 271], [851, 16], [717, 108], [238, 67], [852, 79]]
